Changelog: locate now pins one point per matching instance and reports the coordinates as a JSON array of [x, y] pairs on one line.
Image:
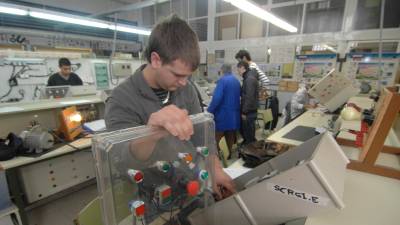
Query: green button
[[165, 167], [205, 151], [204, 175]]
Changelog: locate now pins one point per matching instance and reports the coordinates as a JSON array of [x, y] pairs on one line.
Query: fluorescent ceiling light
[[68, 19], [134, 30], [255, 10], [72, 19], [15, 11]]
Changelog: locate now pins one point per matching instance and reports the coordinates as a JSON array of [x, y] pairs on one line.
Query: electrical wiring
[[63, 141], [10, 87], [18, 73], [6, 94], [78, 66], [35, 93]]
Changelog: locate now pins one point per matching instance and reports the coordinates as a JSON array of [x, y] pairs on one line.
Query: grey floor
[[64, 210]]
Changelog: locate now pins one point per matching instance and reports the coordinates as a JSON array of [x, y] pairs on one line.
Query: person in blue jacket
[[225, 105]]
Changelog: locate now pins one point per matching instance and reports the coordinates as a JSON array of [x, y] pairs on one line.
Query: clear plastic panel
[[147, 176]]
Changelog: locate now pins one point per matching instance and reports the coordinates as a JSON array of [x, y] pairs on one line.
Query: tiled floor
[[64, 210]]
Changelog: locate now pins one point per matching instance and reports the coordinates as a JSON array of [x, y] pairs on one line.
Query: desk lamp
[[70, 123]]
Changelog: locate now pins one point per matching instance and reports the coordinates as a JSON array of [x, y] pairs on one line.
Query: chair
[[223, 151], [90, 215], [264, 115]]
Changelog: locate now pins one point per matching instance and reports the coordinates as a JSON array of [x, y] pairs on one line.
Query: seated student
[[64, 76], [298, 104]]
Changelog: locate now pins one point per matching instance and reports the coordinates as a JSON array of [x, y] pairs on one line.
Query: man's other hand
[[174, 120], [223, 186]]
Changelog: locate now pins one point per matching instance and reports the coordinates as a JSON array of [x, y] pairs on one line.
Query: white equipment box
[[122, 69], [333, 90], [48, 177], [82, 90], [303, 181]]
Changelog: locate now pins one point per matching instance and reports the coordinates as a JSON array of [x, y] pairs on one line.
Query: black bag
[[259, 152], [254, 154], [10, 147]]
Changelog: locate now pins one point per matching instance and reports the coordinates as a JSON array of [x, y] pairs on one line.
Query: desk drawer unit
[[48, 177]]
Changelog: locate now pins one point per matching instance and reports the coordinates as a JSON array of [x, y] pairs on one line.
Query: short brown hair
[[64, 62], [243, 54], [173, 39], [243, 64]]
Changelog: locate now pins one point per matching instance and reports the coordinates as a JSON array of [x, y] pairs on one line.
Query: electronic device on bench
[[333, 90], [147, 176], [300, 182], [55, 92], [83, 90]]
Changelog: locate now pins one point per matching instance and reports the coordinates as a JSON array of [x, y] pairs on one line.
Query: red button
[[192, 188], [139, 211], [166, 193], [138, 177]]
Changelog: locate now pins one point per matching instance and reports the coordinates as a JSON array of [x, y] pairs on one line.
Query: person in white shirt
[[244, 55], [300, 102]]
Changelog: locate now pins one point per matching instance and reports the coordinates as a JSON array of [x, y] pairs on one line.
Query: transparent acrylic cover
[[147, 176]]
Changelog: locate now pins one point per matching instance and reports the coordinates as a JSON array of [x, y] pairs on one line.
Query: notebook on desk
[[301, 133]]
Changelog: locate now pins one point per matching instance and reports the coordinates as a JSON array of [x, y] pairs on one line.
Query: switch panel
[[122, 69]]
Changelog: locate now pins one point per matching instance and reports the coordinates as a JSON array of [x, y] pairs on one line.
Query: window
[[368, 14], [200, 27], [324, 16], [391, 17], [162, 10], [261, 2], [222, 6], [148, 16], [251, 26], [281, 1], [291, 14], [198, 8], [179, 7], [367, 47], [226, 27]]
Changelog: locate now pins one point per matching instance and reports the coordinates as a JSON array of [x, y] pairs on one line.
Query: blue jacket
[[225, 103]]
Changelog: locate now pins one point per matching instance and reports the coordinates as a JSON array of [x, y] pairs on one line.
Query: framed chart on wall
[[313, 70], [101, 74], [312, 67], [368, 71], [365, 67]]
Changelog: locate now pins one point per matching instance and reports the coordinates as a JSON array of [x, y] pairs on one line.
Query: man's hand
[[174, 120], [310, 106], [224, 186], [243, 116]]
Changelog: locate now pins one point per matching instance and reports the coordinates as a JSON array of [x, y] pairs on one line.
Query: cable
[[35, 92], [11, 87], [63, 141], [6, 94], [78, 66], [157, 206]]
